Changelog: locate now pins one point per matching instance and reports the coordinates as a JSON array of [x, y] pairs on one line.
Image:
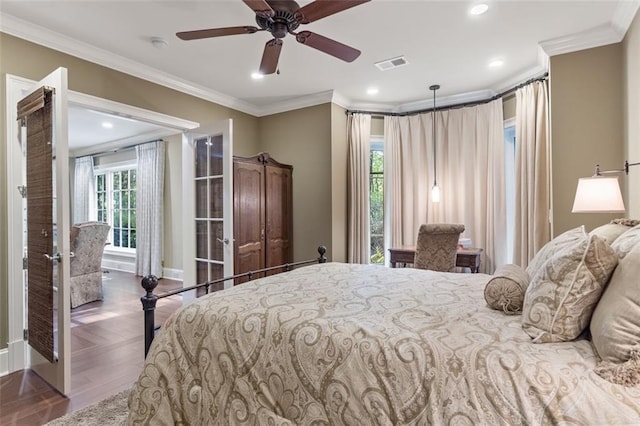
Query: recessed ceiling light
[[496, 63], [107, 125], [479, 9], [372, 90], [257, 76]]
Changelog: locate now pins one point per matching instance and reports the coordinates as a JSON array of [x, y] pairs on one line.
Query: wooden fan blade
[[216, 32], [260, 7], [326, 45], [270, 56], [323, 8]]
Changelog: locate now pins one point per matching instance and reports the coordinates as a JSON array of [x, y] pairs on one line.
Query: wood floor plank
[[107, 354]]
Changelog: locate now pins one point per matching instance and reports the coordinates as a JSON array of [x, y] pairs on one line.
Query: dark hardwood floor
[[107, 352]]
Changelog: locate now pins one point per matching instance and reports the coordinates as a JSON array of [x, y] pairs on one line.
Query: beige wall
[[631, 106], [302, 138], [586, 126], [377, 126], [509, 107]]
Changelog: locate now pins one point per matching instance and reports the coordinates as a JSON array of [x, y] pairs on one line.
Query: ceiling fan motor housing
[[283, 21]]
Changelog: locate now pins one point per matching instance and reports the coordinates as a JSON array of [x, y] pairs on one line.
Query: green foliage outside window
[[376, 206]]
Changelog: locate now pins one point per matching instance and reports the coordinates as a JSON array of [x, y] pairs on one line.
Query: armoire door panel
[[262, 216]]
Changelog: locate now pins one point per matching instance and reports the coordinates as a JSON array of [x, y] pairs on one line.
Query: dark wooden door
[[248, 215], [278, 211]]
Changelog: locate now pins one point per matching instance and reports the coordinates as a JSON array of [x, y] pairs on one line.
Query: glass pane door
[[209, 208]]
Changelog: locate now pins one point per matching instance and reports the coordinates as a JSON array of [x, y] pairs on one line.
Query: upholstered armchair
[[87, 244], [437, 246]]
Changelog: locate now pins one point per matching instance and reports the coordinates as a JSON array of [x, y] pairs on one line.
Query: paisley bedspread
[[366, 345]]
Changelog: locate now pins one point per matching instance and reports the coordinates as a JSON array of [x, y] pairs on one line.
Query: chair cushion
[[505, 291], [626, 242], [562, 295]]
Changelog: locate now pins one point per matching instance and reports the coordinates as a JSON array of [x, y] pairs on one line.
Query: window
[[376, 201], [116, 204], [510, 182]]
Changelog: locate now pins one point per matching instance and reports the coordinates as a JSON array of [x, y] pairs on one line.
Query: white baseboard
[[127, 266], [173, 274], [119, 265], [12, 357], [4, 362]]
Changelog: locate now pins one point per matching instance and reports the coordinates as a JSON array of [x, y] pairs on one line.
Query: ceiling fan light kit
[[282, 17]]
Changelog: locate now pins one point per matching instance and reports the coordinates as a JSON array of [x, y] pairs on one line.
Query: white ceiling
[[443, 43]]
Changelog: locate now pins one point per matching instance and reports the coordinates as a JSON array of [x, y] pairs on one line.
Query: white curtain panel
[[84, 194], [470, 166], [532, 186], [358, 195], [149, 208]]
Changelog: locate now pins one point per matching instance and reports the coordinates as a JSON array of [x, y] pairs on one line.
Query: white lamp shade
[[598, 194], [435, 194]]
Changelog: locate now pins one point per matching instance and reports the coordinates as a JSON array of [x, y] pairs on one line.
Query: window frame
[[109, 170], [376, 143]]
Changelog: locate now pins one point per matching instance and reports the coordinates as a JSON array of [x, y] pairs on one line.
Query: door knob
[[225, 241]]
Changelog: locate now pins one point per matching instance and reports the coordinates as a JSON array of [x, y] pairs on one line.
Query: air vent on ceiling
[[392, 63]]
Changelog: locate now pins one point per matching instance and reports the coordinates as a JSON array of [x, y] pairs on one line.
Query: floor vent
[[392, 63]]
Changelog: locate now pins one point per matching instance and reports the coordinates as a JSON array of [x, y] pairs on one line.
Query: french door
[[207, 164], [42, 115]]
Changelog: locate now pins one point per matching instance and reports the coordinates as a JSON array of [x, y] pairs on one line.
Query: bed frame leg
[[149, 283]]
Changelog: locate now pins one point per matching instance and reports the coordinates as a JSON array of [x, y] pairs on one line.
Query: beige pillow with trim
[[626, 242], [610, 231], [505, 291], [562, 296], [615, 325], [544, 254]]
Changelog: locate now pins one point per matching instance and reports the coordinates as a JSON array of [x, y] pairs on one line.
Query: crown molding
[[44, 37], [610, 33], [624, 15], [295, 103], [605, 34]]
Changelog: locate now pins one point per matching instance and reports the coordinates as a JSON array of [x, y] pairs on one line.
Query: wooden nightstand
[[466, 258]]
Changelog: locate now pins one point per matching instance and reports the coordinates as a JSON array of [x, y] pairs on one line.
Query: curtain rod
[[378, 114], [118, 149]]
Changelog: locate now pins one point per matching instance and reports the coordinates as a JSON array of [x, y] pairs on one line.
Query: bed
[[354, 344]]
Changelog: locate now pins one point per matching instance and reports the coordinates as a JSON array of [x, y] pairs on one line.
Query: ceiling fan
[[282, 17]]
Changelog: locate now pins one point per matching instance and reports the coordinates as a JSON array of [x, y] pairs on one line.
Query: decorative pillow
[[625, 374], [615, 326], [625, 242], [610, 231], [565, 239], [505, 291], [561, 297], [626, 221]]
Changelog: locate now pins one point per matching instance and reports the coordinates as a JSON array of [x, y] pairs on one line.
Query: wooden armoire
[[262, 213]]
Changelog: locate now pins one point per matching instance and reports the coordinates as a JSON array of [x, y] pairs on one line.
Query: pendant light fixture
[[435, 190]]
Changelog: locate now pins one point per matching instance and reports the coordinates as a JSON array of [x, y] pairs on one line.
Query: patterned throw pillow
[[505, 291], [558, 243], [561, 297]]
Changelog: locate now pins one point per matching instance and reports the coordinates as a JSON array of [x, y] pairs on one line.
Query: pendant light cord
[[433, 120]]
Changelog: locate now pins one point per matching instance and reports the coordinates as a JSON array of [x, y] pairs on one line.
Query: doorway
[[160, 124]]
